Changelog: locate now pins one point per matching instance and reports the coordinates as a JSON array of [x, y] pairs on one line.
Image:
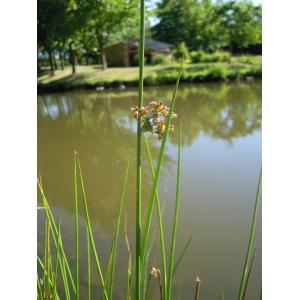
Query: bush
[[158, 59], [182, 52], [151, 79], [204, 57], [246, 59]]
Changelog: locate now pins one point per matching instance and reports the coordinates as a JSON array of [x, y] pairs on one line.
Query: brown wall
[[115, 55]]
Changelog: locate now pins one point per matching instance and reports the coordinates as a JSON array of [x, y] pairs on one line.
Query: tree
[[105, 18], [208, 24], [57, 24], [242, 22], [49, 15], [208, 31], [176, 21]]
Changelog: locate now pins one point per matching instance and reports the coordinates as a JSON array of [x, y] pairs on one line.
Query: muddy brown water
[[221, 161]]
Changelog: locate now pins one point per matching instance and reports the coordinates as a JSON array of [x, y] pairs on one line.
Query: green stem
[[88, 250], [89, 228], [157, 171], [138, 161], [76, 230], [250, 244], [172, 250], [159, 218]]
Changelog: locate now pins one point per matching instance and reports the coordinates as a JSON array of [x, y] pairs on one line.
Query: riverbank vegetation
[[91, 77], [78, 33]]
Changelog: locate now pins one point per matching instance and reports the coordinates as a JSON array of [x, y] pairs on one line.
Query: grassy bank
[[91, 77]]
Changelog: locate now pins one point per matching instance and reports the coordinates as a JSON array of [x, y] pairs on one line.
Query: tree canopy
[[79, 30]]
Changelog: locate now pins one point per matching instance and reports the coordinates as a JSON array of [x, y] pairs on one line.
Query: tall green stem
[[250, 244], [138, 156], [175, 220], [76, 230]]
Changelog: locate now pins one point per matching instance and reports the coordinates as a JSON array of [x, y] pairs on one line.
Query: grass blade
[[222, 297], [56, 262], [250, 244], [46, 270], [159, 218], [157, 171], [88, 250], [66, 286], [175, 219], [108, 271], [39, 289], [43, 268], [76, 230], [138, 154], [129, 266], [54, 232], [116, 233], [182, 255], [250, 269], [90, 230]]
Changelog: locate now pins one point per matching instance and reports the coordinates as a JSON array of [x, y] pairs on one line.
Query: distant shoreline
[[90, 78]]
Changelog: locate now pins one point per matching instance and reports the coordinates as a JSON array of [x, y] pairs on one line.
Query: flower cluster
[[153, 117]]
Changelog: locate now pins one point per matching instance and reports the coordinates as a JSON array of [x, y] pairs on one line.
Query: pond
[[221, 161]]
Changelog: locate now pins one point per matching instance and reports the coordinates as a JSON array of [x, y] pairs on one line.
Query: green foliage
[[246, 59], [176, 19], [204, 57], [182, 52], [159, 59], [207, 24], [154, 75], [242, 23], [247, 267]]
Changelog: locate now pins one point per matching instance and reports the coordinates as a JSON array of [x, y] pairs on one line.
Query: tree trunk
[[50, 56], [72, 58], [38, 66], [86, 58], [62, 61], [54, 61], [102, 58]]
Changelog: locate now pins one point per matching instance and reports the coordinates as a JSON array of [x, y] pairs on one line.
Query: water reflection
[[217, 180], [103, 134]]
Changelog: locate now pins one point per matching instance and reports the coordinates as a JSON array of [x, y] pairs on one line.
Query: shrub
[[198, 56], [221, 56], [151, 79], [246, 59], [216, 73], [158, 59], [182, 52], [204, 57]]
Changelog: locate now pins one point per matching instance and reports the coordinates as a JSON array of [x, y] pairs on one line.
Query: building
[[125, 54]]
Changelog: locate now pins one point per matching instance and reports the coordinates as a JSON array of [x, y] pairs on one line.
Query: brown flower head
[[153, 117]]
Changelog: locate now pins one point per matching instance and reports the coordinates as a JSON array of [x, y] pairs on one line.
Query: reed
[[158, 169], [90, 232], [159, 218], [175, 219], [116, 234], [76, 229], [56, 263], [250, 243], [138, 155]]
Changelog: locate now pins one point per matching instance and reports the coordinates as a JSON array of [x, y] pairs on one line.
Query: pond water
[[221, 161]]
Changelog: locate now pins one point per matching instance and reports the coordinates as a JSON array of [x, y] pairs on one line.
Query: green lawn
[[93, 76]]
